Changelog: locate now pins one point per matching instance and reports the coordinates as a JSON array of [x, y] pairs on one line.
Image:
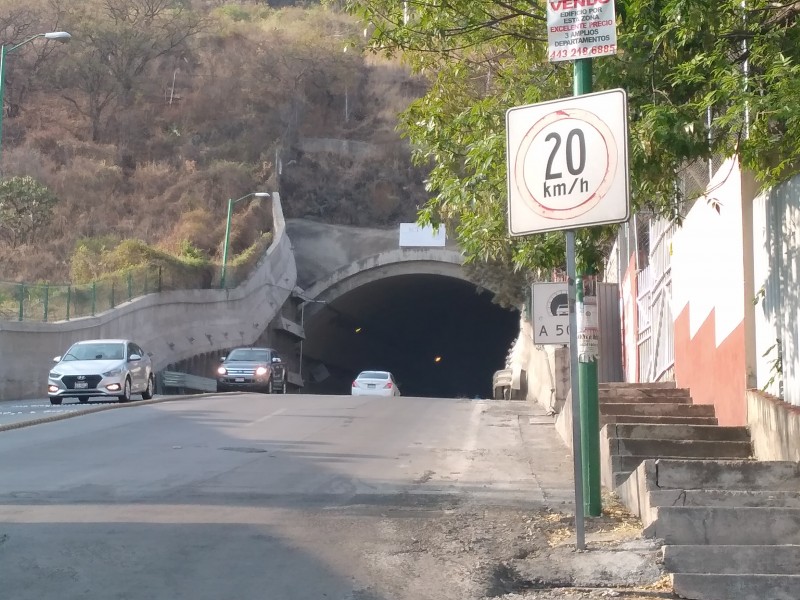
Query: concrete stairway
[[658, 420], [731, 528]]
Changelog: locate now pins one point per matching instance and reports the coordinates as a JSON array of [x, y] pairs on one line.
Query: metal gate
[[656, 331]]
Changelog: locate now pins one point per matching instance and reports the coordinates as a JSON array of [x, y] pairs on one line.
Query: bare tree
[[115, 42]]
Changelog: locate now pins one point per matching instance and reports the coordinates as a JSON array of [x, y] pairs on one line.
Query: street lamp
[[60, 36], [228, 232]]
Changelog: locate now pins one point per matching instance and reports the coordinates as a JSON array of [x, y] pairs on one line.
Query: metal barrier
[[174, 382], [501, 385]]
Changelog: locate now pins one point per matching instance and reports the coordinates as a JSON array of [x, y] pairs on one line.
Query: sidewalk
[[617, 561]]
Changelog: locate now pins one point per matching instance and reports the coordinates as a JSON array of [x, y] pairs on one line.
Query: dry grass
[[161, 172]]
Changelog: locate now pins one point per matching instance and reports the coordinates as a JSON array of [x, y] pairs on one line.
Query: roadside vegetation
[[680, 61], [121, 148]]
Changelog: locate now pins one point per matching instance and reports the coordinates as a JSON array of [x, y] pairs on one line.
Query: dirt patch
[[512, 553]]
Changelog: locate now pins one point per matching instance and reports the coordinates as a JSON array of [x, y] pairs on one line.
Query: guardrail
[[177, 383], [501, 384]]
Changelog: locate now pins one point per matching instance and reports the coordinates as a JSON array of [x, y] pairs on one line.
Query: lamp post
[[60, 36], [228, 232]]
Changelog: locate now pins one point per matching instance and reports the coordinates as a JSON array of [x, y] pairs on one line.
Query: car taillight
[[355, 384], [388, 386]]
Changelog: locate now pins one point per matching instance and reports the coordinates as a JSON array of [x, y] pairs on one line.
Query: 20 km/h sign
[[568, 163]]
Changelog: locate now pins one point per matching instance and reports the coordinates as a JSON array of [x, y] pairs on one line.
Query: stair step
[[746, 526], [656, 448], [736, 587], [629, 462], [657, 420], [657, 409], [733, 560], [647, 386], [727, 475], [680, 432], [681, 396], [732, 498]]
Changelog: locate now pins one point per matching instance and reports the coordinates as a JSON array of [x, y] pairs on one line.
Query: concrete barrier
[[775, 426], [173, 326]]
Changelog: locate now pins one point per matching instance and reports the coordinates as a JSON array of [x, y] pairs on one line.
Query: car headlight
[[54, 375], [261, 371], [113, 372], [222, 371]]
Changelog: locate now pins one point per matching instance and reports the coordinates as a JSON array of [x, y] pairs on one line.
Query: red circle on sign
[[580, 203]]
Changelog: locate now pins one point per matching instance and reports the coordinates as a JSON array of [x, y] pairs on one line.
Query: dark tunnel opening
[[437, 335]]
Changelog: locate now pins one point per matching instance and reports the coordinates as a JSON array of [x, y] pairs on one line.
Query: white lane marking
[[266, 417]]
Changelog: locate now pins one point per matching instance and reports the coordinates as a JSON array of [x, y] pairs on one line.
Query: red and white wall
[[712, 296]]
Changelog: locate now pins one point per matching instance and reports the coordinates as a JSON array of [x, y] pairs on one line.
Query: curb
[[96, 409]]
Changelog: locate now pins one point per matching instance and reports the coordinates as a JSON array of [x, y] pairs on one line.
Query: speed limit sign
[[568, 163]]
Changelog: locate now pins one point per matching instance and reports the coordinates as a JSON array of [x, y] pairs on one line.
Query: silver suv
[[107, 368]]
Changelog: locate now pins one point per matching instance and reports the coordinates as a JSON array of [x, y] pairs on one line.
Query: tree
[[679, 59], [115, 41], [25, 207]]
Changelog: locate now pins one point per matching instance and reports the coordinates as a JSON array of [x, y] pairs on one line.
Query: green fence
[[54, 302]]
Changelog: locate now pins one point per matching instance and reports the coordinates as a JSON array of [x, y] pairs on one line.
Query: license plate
[[370, 385], [239, 380], [81, 385]]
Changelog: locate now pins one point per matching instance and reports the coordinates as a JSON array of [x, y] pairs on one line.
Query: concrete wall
[[774, 427], [400, 261], [544, 369], [776, 249], [173, 326], [712, 293]]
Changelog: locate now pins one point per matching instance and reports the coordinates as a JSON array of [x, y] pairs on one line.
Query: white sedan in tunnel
[[374, 383]]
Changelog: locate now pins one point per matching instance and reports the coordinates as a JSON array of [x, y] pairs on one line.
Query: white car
[[374, 383], [106, 368]]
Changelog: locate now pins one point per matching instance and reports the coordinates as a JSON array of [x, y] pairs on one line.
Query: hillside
[[154, 115]]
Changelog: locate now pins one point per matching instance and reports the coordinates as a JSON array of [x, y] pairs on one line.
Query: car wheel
[[147, 394], [221, 388], [55, 400], [126, 391], [270, 386], [83, 400]]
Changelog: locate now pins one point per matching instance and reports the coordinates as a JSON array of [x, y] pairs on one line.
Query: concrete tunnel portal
[[436, 334]]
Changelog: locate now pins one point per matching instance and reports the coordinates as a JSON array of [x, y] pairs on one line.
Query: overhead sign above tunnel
[[413, 235]]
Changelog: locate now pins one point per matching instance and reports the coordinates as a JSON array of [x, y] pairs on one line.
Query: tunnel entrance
[[437, 335]]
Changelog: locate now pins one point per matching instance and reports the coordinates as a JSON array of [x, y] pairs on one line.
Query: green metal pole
[[112, 293], [2, 96], [130, 286], [225, 245], [587, 357], [46, 301], [21, 301], [94, 297], [69, 299]]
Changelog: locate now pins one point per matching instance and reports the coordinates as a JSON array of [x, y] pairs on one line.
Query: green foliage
[[97, 258], [190, 251], [26, 206], [678, 59]]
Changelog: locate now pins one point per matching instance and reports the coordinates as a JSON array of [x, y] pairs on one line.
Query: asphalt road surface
[[282, 497], [18, 411]]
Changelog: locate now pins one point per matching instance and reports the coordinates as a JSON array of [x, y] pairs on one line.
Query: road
[[18, 411], [284, 497]]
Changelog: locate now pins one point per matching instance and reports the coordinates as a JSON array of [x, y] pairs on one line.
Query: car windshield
[[249, 354], [96, 351], [374, 375]]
